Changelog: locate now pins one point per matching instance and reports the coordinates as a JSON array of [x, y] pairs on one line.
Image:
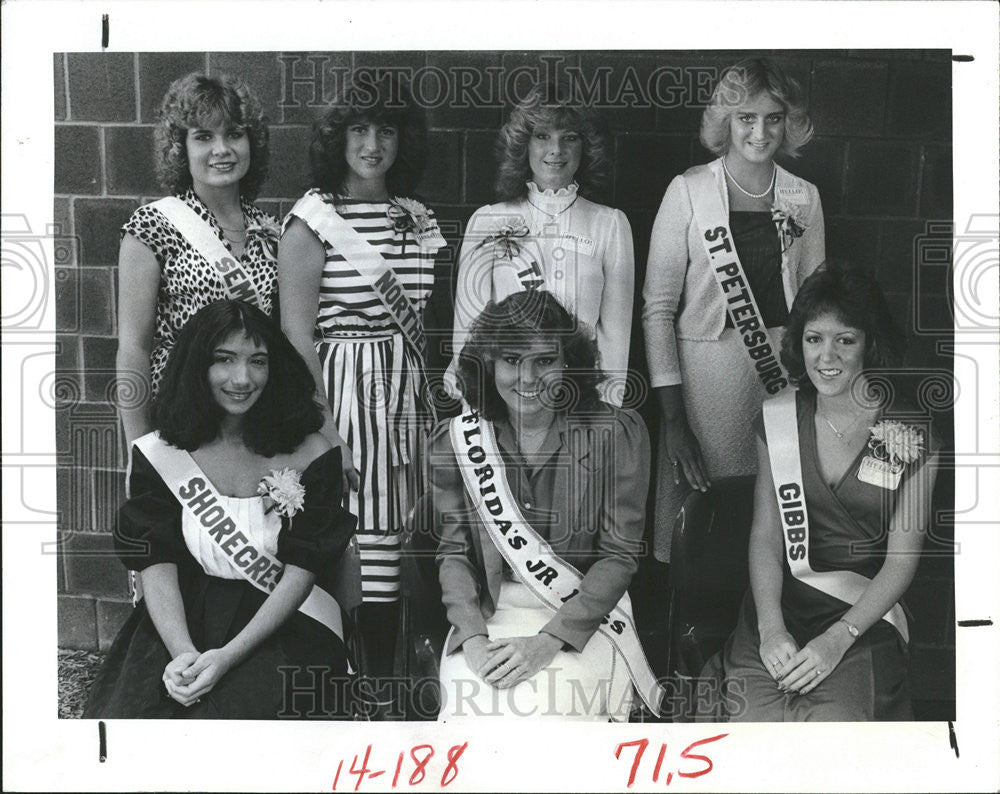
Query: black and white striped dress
[[375, 384]]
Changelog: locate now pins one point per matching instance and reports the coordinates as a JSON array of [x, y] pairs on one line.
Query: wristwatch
[[851, 628]]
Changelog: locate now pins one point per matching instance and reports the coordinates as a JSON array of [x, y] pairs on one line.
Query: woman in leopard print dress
[[211, 153]]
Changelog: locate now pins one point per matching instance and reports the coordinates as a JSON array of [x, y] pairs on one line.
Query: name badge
[[879, 473], [792, 195], [430, 238], [578, 243]]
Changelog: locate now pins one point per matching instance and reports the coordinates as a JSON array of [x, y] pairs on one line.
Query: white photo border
[[42, 752]]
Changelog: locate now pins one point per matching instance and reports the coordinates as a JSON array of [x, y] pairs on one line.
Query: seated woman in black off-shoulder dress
[[235, 522]]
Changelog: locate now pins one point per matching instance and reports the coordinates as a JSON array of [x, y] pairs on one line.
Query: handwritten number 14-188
[[421, 756]]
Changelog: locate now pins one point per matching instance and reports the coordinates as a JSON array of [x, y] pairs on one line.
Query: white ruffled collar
[[550, 200]]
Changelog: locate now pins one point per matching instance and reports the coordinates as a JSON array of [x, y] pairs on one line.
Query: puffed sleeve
[[148, 529], [614, 324], [317, 536], [473, 288], [620, 525], [460, 577], [665, 274]]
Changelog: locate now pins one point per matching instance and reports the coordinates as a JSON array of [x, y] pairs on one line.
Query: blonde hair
[[742, 82]]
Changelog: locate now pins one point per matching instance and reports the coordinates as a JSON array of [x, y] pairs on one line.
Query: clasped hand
[[191, 674], [800, 671], [507, 662]]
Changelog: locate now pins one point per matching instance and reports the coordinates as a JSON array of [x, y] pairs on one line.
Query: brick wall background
[[881, 158]]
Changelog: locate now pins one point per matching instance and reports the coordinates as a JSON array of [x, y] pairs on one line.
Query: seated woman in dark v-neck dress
[[840, 513]]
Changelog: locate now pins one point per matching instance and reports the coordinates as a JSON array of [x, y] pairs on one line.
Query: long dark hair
[[185, 411], [518, 321]]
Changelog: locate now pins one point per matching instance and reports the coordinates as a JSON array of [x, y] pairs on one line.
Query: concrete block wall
[[881, 157]]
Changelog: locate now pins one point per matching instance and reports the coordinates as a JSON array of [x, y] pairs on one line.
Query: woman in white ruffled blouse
[[544, 233]]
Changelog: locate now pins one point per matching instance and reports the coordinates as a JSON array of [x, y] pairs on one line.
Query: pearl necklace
[[744, 191]]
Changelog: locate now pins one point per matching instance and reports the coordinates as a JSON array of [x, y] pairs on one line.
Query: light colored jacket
[[682, 299]]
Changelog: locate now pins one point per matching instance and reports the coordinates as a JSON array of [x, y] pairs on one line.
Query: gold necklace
[[840, 434], [554, 215]]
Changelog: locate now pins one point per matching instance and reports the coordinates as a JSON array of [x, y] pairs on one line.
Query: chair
[[708, 574], [426, 624]]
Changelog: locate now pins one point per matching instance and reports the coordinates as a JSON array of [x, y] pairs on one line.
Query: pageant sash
[[200, 500], [782, 428], [550, 578], [717, 239], [368, 262], [206, 242]]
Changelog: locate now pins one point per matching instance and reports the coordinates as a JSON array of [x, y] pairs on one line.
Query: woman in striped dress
[[355, 267]]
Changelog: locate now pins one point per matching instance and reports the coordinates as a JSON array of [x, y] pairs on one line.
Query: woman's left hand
[[515, 659], [203, 674], [813, 663]]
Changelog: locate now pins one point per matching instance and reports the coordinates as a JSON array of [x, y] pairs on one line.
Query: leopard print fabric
[[187, 281]]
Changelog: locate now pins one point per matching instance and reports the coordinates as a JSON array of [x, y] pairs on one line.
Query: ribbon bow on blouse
[[505, 237]]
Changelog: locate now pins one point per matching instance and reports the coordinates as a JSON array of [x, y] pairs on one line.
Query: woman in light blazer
[[731, 244]]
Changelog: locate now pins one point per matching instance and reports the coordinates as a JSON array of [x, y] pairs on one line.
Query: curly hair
[[855, 299], [521, 320], [198, 101], [741, 83], [554, 106], [374, 98], [186, 413]]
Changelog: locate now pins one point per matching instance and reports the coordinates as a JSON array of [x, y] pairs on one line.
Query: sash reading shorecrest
[[782, 428], [536, 565], [200, 500]]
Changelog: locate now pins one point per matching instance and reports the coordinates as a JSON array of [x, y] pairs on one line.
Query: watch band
[[851, 628]]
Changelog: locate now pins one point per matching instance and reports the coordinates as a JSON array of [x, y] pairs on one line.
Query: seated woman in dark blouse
[[841, 509], [235, 522], [539, 490]]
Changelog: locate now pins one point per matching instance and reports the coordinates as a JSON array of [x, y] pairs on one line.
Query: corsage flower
[[406, 214], [282, 491], [895, 442], [269, 230], [505, 239], [790, 220]]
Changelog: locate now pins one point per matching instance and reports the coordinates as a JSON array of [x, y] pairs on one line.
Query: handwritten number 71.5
[[641, 745]]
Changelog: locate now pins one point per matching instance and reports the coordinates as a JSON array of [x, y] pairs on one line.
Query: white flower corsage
[[406, 214], [269, 230], [896, 443], [283, 492], [791, 222]]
